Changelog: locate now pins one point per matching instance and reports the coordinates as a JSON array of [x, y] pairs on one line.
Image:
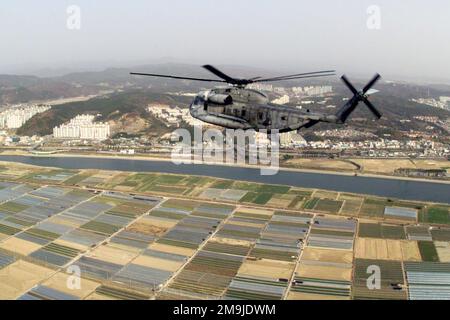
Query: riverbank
[[405, 189], [161, 159]]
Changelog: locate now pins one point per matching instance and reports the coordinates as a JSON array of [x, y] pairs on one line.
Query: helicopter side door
[[264, 117]]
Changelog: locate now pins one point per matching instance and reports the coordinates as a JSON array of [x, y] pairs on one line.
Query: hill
[[19, 89], [119, 107]]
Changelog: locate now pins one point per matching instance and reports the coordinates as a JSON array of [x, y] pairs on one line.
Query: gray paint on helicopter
[[238, 107]]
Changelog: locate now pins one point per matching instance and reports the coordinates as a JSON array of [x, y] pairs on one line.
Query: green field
[[267, 188], [76, 179], [435, 214], [332, 206], [311, 203], [376, 230], [373, 208], [263, 198], [428, 251], [223, 184], [13, 207], [249, 197], [100, 227]]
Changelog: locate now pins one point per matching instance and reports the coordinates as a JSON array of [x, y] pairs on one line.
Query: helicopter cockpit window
[[198, 100]]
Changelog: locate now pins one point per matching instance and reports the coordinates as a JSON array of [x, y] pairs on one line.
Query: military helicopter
[[238, 107]]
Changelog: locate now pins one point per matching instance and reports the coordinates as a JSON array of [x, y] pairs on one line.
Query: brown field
[[281, 201], [255, 211], [19, 246], [196, 191], [15, 170], [386, 166], [410, 251], [309, 296], [124, 247], [116, 179], [158, 222], [351, 207], [67, 221], [389, 165], [353, 197], [74, 245], [158, 263], [172, 249], [326, 194], [123, 188], [146, 228], [431, 164], [443, 250], [381, 249], [19, 277], [267, 269], [112, 254], [98, 296], [230, 241], [324, 272], [352, 204], [327, 255], [59, 282], [320, 164], [247, 224]]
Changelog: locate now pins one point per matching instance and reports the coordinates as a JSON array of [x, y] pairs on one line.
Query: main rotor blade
[[219, 73], [371, 83], [174, 77], [372, 108], [294, 78], [300, 74], [349, 85], [311, 123]]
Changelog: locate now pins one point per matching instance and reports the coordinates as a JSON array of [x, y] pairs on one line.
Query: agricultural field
[[236, 193], [155, 236]]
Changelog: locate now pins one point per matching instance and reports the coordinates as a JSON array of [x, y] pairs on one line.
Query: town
[[422, 135], [98, 136]]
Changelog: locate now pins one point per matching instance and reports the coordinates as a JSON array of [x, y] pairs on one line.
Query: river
[[378, 186]]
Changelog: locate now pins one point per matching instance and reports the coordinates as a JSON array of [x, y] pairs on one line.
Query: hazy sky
[[413, 40]]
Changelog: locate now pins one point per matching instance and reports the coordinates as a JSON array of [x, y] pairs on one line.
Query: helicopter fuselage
[[243, 108], [239, 107]]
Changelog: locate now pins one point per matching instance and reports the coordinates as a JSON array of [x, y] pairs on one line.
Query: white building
[[83, 127], [173, 116], [261, 87], [317, 90], [285, 139], [261, 139], [282, 100], [15, 117]]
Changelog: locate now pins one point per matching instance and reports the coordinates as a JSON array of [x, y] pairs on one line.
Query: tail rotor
[[359, 96]]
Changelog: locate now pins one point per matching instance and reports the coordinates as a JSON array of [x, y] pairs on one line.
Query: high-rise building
[[16, 116], [83, 127]]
